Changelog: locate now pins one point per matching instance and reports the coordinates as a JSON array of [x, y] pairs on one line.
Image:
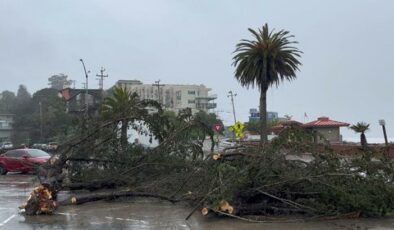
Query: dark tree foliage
[[56, 123], [59, 81], [7, 102]]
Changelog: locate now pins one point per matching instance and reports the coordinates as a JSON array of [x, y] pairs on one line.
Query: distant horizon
[[370, 140]]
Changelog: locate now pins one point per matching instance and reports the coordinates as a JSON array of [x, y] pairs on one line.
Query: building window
[[191, 92], [191, 101], [178, 95]]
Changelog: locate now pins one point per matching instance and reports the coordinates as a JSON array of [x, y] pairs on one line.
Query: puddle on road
[[154, 214]]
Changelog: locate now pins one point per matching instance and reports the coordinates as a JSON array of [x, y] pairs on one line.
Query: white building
[[6, 121], [173, 97]]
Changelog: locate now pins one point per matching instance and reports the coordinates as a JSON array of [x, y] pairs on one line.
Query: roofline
[[325, 126]]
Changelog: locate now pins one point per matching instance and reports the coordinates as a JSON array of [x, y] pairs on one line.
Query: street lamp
[[86, 91], [383, 124], [40, 104]]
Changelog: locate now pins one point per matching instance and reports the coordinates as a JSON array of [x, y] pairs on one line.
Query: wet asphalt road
[[138, 214]]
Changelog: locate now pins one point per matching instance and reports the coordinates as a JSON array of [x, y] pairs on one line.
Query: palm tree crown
[[121, 104], [360, 127], [267, 60], [126, 107]]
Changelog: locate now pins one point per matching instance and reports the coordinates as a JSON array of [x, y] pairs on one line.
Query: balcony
[[207, 98], [205, 106]]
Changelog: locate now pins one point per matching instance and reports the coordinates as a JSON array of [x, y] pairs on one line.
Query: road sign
[[217, 127]]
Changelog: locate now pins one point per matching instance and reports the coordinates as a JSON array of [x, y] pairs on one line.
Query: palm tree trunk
[[363, 141], [123, 135], [263, 115]]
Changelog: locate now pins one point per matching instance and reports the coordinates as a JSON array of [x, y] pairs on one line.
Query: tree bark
[[363, 141], [70, 199], [123, 135], [263, 115]]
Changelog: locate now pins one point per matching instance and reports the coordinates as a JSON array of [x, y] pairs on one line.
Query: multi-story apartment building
[[6, 121], [173, 97]]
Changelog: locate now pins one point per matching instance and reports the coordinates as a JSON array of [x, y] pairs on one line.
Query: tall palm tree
[[124, 107], [361, 127], [267, 60]]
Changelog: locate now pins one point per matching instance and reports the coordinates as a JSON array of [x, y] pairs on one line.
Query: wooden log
[[94, 185], [75, 198]]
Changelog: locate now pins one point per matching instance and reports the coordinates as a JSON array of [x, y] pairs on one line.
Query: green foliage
[[210, 119], [125, 108], [272, 180]]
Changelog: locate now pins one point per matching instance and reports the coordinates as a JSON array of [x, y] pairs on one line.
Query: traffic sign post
[[217, 127]]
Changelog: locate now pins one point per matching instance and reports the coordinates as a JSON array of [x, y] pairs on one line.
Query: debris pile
[[240, 181], [40, 201]]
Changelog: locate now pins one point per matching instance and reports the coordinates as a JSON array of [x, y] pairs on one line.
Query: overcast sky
[[347, 62]]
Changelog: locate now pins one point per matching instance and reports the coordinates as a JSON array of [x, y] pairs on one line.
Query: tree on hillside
[[361, 127], [57, 123], [22, 117], [7, 102], [59, 81], [267, 60]]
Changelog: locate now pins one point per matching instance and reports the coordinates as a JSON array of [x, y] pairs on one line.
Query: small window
[[178, 95], [191, 92], [191, 101]]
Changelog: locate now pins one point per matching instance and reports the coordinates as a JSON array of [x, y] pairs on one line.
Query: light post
[[40, 104], [383, 124], [86, 91]]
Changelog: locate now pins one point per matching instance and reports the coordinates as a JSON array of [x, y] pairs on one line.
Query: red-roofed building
[[328, 129], [276, 129]]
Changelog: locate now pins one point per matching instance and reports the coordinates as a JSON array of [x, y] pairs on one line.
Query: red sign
[[217, 127]]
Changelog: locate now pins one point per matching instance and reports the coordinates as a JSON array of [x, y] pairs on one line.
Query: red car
[[22, 160]]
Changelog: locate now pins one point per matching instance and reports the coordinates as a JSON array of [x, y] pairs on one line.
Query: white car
[[6, 145]]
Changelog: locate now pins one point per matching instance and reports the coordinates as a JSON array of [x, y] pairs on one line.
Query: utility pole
[[86, 87], [101, 77], [383, 124], [157, 83], [232, 95], [40, 104]]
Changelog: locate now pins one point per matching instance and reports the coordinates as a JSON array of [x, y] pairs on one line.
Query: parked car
[[6, 145], [40, 146], [22, 160], [52, 145]]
